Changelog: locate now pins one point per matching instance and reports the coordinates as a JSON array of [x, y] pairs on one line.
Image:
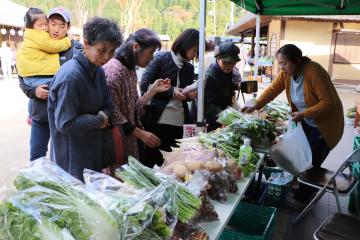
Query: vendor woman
[[314, 102], [222, 79]]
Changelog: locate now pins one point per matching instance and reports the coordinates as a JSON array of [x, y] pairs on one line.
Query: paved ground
[[14, 132]]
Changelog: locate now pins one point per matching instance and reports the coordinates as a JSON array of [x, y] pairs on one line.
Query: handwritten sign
[[191, 130]]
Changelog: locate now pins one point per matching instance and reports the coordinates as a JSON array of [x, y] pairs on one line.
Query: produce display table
[[226, 210]]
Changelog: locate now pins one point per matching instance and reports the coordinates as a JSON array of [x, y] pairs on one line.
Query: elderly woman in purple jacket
[[121, 78]]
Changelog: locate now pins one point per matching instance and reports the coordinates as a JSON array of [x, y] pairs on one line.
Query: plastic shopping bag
[[293, 153]]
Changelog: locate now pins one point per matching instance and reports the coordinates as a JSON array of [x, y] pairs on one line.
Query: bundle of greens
[[224, 139], [142, 211], [228, 116], [229, 139], [254, 128], [185, 206], [277, 111]]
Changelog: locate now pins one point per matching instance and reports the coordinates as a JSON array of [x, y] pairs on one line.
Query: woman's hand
[[105, 119], [149, 139], [42, 92], [297, 116], [160, 85], [248, 109], [192, 95], [178, 95]]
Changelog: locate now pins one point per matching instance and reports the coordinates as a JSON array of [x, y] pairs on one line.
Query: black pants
[[319, 147], [319, 150], [167, 134]]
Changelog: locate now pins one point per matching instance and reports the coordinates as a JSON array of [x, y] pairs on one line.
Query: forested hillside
[[164, 16]]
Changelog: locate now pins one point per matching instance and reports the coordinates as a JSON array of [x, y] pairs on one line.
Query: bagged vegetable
[[188, 153], [18, 223], [185, 231], [186, 204], [198, 185], [228, 116], [52, 195], [143, 211], [277, 111]]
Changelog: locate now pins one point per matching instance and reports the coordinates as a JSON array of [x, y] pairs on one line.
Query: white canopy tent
[[12, 14]]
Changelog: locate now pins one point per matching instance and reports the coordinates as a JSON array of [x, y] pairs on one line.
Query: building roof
[[12, 14], [327, 18], [248, 20]]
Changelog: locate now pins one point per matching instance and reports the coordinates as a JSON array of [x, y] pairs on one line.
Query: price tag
[[191, 130]]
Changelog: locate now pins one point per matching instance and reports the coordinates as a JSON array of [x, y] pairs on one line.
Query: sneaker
[[29, 121]]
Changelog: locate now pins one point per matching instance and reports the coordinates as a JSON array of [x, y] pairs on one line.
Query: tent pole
[[231, 13], [257, 46], [200, 97]]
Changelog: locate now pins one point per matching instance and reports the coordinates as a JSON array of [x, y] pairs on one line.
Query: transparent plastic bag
[[218, 185], [50, 195], [280, 178], [198, 185], [189, 232], [23, 224], [185, 206], [293, 153], [187, 154], [143, 211], [228, 116]]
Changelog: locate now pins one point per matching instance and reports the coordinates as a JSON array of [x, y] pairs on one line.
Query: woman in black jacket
[[222, 79], [168, 111]]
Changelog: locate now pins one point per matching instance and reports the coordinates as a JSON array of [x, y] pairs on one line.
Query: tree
[[101, 6], [81, 12], [164, 16], [129, 14]]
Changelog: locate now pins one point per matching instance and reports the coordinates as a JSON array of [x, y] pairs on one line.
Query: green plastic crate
[[356, 142], [276, 194], [268, 170], [250, 222]]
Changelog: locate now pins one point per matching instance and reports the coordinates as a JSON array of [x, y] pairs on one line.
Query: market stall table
[[226, 210]]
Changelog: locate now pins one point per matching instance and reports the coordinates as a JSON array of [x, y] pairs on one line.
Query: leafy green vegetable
[[16, 223], [251, 166], [277, 111], [228, 116], [229, 139], [69, 205], [186, 204]]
